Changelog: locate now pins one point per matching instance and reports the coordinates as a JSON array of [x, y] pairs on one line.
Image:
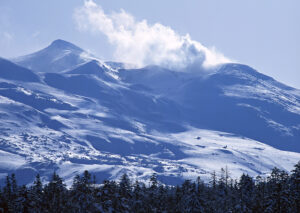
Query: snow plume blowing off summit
[[140, 43]]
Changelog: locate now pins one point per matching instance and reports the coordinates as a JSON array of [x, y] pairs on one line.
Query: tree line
[[279, 192]]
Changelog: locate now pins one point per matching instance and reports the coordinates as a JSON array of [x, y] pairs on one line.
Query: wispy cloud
[[7, 36], [36, 34], [141, 43]]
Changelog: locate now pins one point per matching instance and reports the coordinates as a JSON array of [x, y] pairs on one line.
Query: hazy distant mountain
[[74, 112], [58, 56]]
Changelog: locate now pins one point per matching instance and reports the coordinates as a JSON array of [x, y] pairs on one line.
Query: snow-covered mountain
[[64, 110], [58, 56]]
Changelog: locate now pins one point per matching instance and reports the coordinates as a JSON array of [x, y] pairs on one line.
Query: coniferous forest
[[279, 192]]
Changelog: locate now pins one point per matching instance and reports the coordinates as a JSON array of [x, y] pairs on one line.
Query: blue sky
[[263, 34]]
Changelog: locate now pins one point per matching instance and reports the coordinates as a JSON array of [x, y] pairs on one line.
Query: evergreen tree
[[222, 190], [246, 192], [189, 200], [125, 192], [2, 201], [153, 193], [259, 203], [10, 193], [7, 195], [201, 193], [295, 188], [278, 193], [213, 180], [22, 202], [108, 196], [138, 196], [278, 198], [82, 197], [55, 195], [35, 195]]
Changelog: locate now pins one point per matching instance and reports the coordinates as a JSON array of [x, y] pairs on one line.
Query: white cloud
[[6, 39], [141, 43], [36, 34], [7, 36]]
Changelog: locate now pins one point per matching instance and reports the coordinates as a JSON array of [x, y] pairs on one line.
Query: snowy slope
[[232, 98], [80, 113]]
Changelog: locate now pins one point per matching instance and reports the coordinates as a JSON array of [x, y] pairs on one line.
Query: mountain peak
[[62, 44], [58, 56]]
